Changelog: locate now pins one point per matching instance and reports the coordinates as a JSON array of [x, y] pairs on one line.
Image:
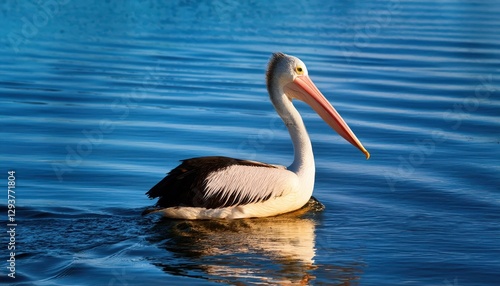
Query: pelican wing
[[217, 182]]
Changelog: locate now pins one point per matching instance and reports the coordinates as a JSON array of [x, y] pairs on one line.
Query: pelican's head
[[288, 75], [284, 69]]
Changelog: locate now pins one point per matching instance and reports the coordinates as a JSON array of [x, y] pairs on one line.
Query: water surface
[[99, 100]]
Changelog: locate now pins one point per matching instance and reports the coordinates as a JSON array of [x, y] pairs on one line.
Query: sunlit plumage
[[222, 187]]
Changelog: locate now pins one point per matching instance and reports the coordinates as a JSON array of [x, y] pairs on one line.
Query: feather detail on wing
[[217, 182]]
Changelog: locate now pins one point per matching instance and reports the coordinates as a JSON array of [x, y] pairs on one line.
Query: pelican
[[228, 188]]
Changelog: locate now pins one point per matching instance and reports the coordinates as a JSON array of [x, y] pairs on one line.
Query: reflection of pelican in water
[[277, 250]]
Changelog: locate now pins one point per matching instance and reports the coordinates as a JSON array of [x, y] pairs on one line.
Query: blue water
[[100, 99]]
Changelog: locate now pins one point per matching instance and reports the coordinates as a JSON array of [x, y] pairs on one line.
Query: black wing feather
[[185, 185]]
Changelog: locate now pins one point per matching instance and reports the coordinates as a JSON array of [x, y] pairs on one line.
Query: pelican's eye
[[299, 70]]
